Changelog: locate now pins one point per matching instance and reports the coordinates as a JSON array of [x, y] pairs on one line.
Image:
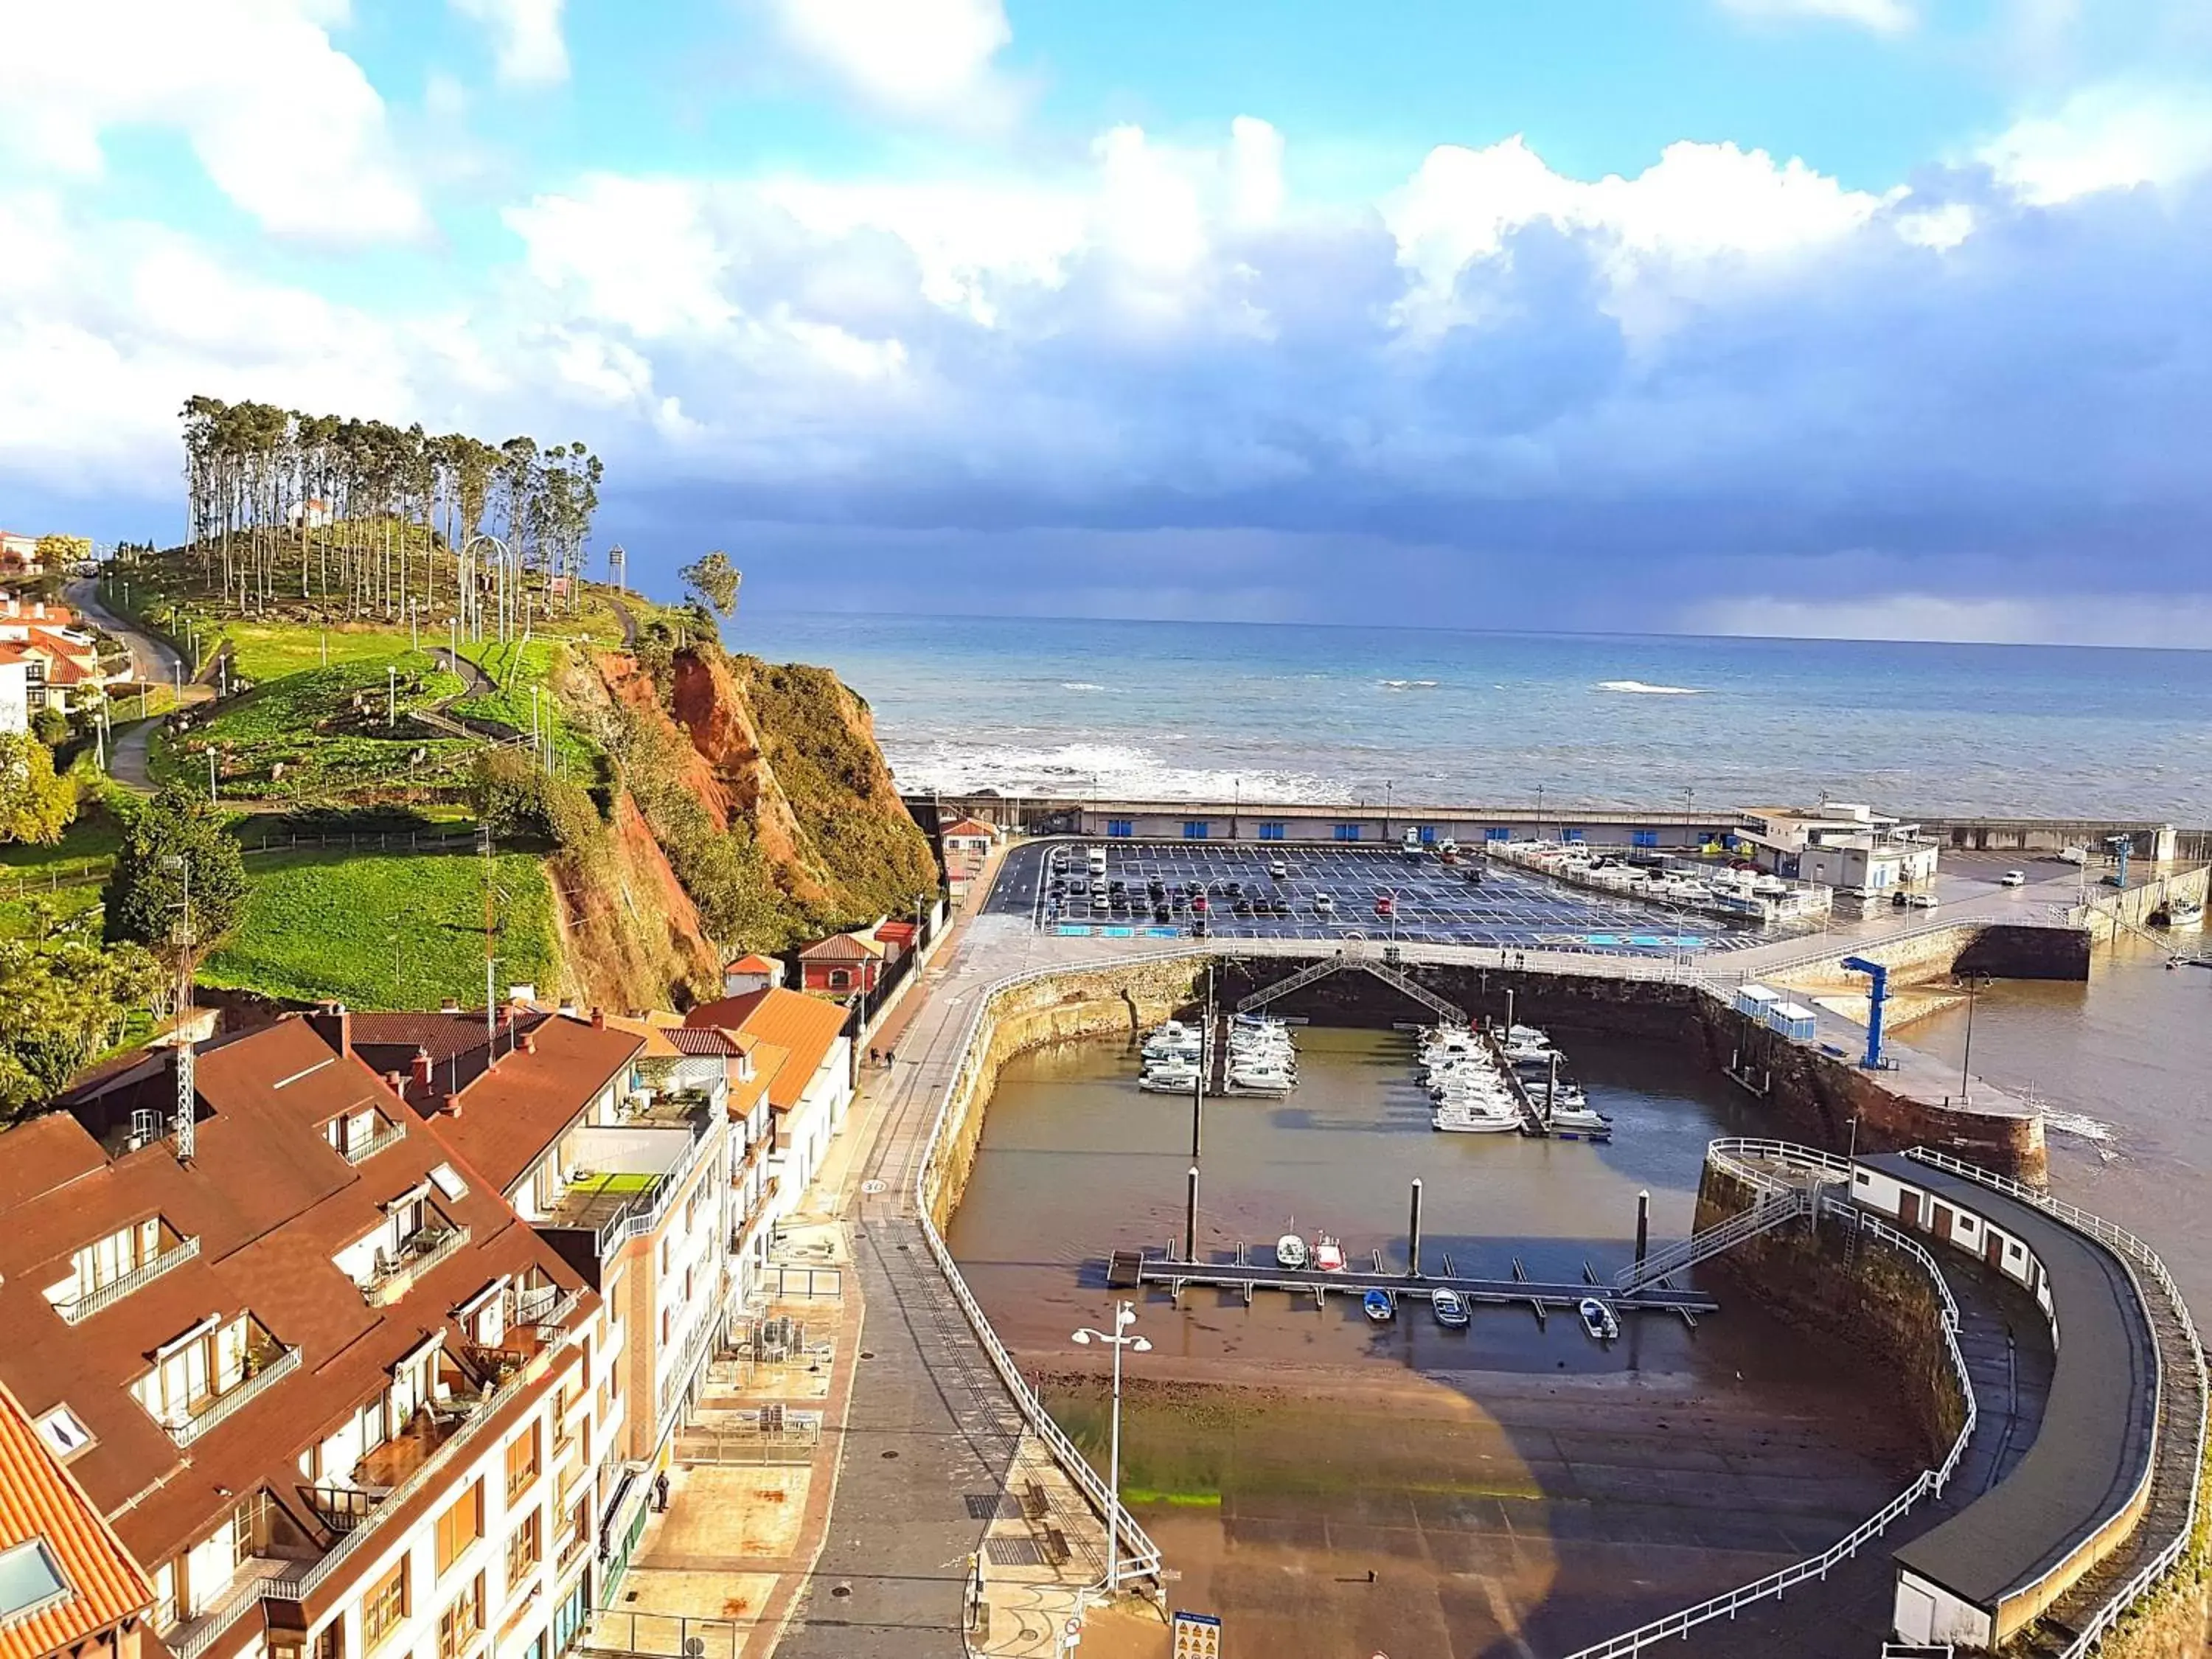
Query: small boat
[[1289, 1251], [1327, 1254], [1377, 1306], [1450, 1310], [1597, 1318]]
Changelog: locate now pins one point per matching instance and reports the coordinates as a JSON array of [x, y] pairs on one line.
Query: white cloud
[[527, 46], [915, 57], [634, 252], [2106, 138], [286, 124], [1882, 16]]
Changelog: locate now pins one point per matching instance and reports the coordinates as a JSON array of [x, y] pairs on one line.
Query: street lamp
[[1540, 811], [1125, 1316]]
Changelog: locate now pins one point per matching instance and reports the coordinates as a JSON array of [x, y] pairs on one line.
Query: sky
[[1857, 318]]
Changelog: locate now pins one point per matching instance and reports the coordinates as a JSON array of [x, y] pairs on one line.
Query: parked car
[[1278, 871], [1918, 901], [1323, 904]]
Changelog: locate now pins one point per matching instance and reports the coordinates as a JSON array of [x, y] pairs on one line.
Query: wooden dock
[[1242, 1275]]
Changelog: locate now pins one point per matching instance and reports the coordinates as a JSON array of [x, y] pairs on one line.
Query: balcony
[[267, 1368], [184, 1250], [533, 1327], [384, 1135], [394, 1275], [634, 1168]]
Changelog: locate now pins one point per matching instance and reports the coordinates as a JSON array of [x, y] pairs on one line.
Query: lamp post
[[1125, 1316], [1540, 811], [1389, 786]]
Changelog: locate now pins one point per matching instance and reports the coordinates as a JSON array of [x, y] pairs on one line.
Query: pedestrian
[[661, 1493], [891, 1056]]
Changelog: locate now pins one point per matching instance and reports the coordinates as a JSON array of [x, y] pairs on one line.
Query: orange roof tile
[[970, 826], [40, 1499], [755, 964], [768, 1060], [841, 947], [805, 1027]]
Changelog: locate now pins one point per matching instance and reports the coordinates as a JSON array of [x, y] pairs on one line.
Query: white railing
[[298, 1581], [370, 1144], [1929, 1483], [1741, 1156], [2132, 1249], [224, 1406], [108, 1295], [1141, 1556], [1770, 1212]]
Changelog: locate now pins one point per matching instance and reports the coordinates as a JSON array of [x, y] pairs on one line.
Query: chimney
[[530, 1042], [332, 1023], [422, 1069], [397, 1082], [450, 1006], [599, 1019], [568, 1007]]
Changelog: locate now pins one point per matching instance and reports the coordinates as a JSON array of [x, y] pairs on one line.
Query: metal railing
[[225, 1406], [1141, 1555], [416, 1257], [297, 1581], [105, 1296], [663, 1635], [2133, 1250], [1929, 1482], [1770, 1211], [390, 1134]]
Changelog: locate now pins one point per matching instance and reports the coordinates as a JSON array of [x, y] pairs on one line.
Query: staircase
[[1770, 1212], [1391, 974]]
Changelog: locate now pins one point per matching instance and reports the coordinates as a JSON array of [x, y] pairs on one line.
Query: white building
[[1840, 844]]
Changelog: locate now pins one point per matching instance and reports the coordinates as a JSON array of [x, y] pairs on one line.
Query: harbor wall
[[1810, 1095], [1873, 1299], [2110, 910], [1074, 1002]]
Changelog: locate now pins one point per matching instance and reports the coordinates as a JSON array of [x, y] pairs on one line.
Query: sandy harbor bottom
[[1330, 1510]]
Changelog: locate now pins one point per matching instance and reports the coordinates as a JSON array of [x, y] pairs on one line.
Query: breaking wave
[[1112, 770], [1639, 688], [1080, 685], [1408, 685]]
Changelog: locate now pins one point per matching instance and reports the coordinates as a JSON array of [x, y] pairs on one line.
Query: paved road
[[151, 661]]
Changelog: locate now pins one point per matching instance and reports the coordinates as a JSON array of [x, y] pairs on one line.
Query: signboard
[[1197, 1635]]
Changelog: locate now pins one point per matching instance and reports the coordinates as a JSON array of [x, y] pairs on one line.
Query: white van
[[1097, 860]]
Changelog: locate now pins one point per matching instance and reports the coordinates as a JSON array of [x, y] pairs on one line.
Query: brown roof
[[272, 1204], [37, 1499], [768, 1060], [804, 1027], [841, 947], [969, 827], [518, 1094], [687, 1040]]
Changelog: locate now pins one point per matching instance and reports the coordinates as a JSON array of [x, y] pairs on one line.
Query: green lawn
[[330, 751], [267, 651], [518, 669], [386, 932], [89, 843], [64, 913]]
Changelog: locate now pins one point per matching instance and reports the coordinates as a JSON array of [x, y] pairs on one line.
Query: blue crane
[[2121, 846], [1877, 993]]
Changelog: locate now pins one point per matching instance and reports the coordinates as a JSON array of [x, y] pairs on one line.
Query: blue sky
[[1858, 317]]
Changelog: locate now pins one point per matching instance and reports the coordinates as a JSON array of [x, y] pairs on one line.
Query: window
[[1643, 838], [1428, 835], [1571, 835], [840, 978], [1271, 832], [384, 1609], [29, 1579], [525, 1548], [1121, 828], [329, 1641], [104, 1261], [1347, 832], [1193, 829], [460, 1525], [205, 1363], [64, 1435], [522, 1462], [462, 1621], [165, 1596], [1497, 833], [667, 1323]]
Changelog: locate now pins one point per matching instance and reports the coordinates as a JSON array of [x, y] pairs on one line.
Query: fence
[[663, 1635], [1929, 1483]]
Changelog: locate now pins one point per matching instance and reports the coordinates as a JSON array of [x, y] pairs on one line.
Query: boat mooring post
[[1413, 1235], [1642, 1224], [1198, 1107], [1190, 1218]]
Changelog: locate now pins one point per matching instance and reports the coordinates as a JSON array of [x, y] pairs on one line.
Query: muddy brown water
[[1513, 1487]]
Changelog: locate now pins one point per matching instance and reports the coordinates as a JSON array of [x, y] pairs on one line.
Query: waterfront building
[[330, 1394], [844, 964], [964, 846], [751, 972], [1838, 844], [811, 1087]]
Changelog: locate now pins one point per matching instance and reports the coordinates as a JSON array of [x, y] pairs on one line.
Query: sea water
[[1287, 713]]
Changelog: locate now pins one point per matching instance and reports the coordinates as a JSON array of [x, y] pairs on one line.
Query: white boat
[[1580, 1122], [1289, 1251], [1327, 1254], [1450, 1310], [1168, 1082], [1474, 1123], [1597, 1318]]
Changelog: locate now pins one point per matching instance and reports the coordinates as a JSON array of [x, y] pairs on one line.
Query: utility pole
[[490, 868], [391, 696]]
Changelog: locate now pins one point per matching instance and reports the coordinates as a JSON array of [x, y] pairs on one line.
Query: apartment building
[[811, 1087], [614, 1146], [331, 1395]]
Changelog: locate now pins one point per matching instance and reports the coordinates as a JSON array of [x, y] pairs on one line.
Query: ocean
[[1290, 713]]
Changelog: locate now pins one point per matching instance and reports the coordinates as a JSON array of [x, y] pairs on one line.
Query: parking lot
[[1472, 902]]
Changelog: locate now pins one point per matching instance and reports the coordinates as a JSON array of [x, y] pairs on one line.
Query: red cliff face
[[628, 931], [712, 709]]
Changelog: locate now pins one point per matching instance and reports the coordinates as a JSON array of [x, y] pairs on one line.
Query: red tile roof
[[519, 1093], [969, 827], [755, 964], [272, 1204], [38, 1499], [805, 1027], [841, 947], [901, 933]]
